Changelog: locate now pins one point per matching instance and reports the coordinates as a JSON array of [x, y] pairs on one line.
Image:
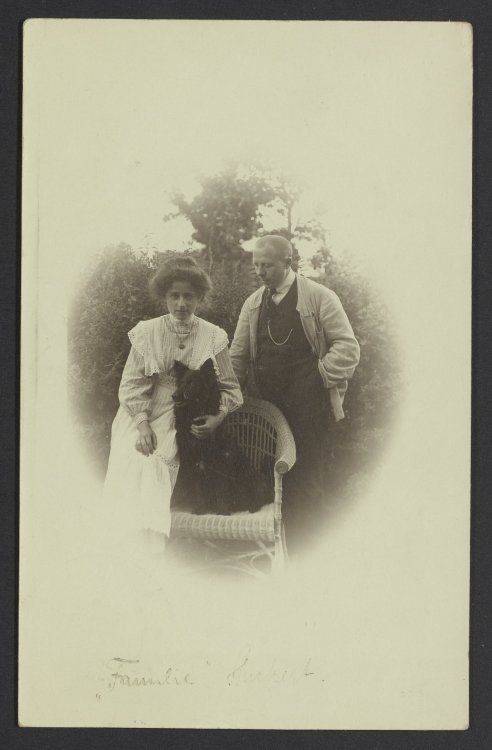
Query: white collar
[[286, 284], [181, 325]]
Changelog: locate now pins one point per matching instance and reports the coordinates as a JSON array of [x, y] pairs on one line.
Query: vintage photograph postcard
[[245, 374]]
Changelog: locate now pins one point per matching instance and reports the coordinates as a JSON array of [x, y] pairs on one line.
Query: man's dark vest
[[284, 356]]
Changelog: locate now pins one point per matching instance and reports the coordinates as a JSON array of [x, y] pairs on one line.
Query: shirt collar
[[286, 283]]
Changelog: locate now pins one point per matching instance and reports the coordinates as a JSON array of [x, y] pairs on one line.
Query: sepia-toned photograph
[[245, 399]]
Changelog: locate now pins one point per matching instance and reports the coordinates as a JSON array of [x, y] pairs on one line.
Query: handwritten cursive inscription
[[126, 677], [246, 672], [129, 673]]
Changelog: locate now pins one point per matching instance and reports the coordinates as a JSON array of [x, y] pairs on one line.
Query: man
[[294, 346]]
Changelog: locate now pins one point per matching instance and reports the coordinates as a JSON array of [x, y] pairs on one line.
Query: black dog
[[214, 476]]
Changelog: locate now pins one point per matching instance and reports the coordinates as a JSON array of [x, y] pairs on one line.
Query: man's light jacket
[[327, 329]]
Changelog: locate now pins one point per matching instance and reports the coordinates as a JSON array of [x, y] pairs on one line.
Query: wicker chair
[[262, 432]]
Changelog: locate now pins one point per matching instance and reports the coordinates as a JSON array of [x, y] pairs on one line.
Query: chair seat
[[244, 526]]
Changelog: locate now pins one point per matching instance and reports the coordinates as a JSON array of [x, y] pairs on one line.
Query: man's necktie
[[270, 291]]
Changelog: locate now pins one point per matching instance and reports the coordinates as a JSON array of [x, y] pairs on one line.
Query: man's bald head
[[281, 247], [272, 258]]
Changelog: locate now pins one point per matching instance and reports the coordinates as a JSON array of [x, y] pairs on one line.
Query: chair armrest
[[285, 454]]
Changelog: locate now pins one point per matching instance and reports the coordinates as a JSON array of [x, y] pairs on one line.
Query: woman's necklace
[[278, 343], [183, 334]]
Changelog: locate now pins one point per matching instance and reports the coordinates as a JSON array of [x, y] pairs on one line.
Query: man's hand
[[203, 427], [147, 440]]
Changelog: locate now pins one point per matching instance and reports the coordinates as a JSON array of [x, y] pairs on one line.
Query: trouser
[[306, 407]]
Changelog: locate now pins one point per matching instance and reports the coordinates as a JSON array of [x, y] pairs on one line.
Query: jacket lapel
[[308, 318], [254, 314], [303, 306]]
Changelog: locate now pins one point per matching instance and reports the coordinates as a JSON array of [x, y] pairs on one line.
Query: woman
[[144, 462]]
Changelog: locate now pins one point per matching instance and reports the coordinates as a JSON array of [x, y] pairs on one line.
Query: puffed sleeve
[[230, 392], [135, 393]]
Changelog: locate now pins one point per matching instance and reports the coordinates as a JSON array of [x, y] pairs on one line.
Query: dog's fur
[[214, 476]]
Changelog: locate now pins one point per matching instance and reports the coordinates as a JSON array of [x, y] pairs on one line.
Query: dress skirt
[[137, 490]]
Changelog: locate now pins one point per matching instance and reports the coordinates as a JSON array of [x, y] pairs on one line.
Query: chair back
[[256, 426]]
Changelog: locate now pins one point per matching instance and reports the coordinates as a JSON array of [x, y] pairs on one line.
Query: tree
[[225, 214]]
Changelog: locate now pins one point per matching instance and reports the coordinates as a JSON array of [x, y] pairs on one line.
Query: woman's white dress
[[137, 489]]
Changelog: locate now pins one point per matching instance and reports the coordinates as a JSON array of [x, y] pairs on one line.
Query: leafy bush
[[373, 393], [112, 298], [230, 290]]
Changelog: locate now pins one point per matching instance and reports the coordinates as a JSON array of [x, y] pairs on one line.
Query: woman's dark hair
[[179, 268]]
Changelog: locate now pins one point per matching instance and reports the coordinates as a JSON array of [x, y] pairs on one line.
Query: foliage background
[[224, 216]]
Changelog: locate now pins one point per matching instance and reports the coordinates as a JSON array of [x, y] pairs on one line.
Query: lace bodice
[[155, 348], [157, 342]]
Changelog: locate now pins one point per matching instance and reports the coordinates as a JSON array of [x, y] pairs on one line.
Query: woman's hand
[[206, 425], [147, 440]]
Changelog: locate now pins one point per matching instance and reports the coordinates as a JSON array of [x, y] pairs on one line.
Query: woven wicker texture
[[262, 432], [245, 526]]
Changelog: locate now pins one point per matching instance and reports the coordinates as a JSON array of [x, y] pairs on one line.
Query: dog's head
[[197, 390]]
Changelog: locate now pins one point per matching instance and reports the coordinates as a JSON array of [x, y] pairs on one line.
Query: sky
[[352, 112]]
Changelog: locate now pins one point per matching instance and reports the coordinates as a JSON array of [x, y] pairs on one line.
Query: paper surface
[[370, 631]]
